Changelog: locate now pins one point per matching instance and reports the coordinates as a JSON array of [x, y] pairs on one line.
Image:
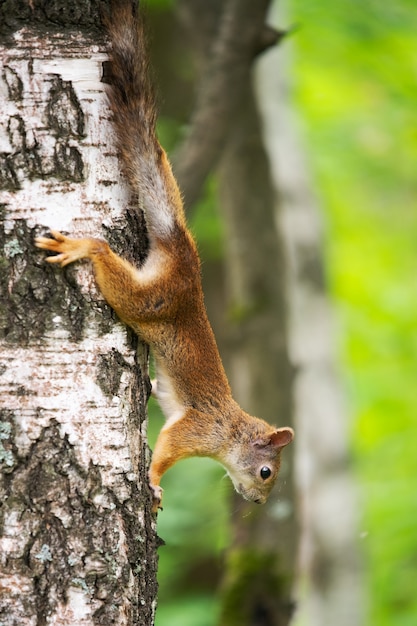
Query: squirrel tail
[[132, 101]]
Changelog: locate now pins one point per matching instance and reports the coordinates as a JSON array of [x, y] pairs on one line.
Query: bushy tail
[[133, 104]]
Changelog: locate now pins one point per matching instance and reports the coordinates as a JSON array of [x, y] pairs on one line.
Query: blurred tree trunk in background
[[260, 565], [331, 582], [77, 543]]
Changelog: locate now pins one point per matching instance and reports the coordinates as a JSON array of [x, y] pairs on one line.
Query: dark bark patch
[[50, 16], [68, 162], [110, 368], [14, 83], [24, 160], [129, 237], [64, 113], [32, 292]]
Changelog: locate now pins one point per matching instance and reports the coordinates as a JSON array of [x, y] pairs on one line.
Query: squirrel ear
[[282, 437], [278, 438]]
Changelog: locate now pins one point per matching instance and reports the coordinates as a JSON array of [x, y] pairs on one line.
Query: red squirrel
[[162, 301]]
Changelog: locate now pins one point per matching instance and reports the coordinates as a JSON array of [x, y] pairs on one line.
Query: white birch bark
[[77, 542]]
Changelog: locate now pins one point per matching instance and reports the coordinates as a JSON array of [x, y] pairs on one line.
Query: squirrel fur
[[162, 301]]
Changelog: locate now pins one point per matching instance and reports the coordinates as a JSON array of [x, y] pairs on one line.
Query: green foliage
[[355, 87], [194, 610], [206, 224]]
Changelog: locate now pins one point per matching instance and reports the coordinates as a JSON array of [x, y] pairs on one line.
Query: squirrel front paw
[[67, 249], [61, 245], [157, 492]]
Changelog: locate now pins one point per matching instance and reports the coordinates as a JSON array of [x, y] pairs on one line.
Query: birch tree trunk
[[331, 581], [77, 537]]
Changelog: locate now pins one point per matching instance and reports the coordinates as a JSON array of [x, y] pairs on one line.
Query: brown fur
[[163, 300]]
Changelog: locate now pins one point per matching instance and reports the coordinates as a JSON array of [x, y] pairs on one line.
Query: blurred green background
[[355, 74], [356, 71]]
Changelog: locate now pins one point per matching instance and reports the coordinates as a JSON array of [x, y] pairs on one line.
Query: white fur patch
[[169, 402], [154, 266]]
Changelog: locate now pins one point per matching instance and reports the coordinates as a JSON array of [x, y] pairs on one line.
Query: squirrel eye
[[265, 472]]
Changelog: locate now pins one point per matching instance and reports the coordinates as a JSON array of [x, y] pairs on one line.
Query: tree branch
[[240, 32]]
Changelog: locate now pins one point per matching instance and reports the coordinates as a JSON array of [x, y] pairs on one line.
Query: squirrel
[[162, 301]]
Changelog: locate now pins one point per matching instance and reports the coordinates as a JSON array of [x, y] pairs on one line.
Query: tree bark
[[77, 536]]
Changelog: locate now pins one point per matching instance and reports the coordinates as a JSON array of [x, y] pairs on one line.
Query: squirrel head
[[253, 467]]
